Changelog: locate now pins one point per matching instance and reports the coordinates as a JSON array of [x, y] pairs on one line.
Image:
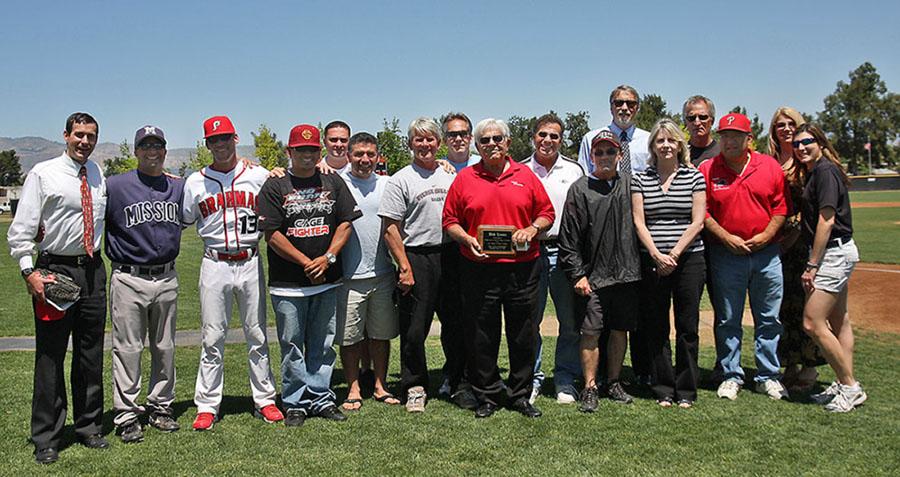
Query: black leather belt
[[71, 260], [145, 270], [837, 242], [552, 243]]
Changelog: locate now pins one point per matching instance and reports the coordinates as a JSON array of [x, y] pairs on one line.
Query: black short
[[614, 307]]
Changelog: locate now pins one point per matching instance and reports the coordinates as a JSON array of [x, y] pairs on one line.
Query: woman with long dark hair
[[828, 229]]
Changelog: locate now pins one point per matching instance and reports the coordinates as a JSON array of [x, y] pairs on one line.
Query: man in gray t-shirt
[[411, 210]]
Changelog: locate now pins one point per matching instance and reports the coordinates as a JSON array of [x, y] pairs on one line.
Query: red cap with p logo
[[217, 126]]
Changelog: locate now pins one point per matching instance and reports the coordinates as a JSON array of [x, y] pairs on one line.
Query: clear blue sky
[[174, 63]]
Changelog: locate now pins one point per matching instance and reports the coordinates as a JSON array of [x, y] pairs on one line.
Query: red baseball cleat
[[270, 414], [204, 421]]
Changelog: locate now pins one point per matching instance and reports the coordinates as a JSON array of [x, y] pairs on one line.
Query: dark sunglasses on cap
[[544, 134], [611, 151], [459, 134], [630, 102], [151, 146], [487, 139], [804, 142], [703, 117], [220, 138]]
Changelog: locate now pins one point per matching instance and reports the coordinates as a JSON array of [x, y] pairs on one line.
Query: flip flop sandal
[[384, 397], [351, 402]]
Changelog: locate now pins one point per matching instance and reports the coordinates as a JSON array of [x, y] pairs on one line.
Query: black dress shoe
[[47, 455], [485, 410], [332, 414], [523, 407], [95, 441]]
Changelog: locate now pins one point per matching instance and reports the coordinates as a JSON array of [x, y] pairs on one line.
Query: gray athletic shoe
[[827, 395], [589, 399], [131, 432], [617, 393], [415, 399], [163, 421], [847, 398]]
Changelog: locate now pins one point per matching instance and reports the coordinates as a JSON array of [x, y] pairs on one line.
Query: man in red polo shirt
[[746, 207], [500, 192]]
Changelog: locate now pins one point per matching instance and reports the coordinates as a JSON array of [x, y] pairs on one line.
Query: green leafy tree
[[393, 147], [269, 150], [576, 128], [521, 146], [860, 111], [653, 108], [10, 168], [197, 160], [123, 162]]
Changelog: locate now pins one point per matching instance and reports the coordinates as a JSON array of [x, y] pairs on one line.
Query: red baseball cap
[[605, 136], [217, 126], [734, 122], [304, 135]]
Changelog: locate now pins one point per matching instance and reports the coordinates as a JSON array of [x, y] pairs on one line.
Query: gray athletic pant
[[139, 306]]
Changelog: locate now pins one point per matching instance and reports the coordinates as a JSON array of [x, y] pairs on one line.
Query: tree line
[[860, 111]]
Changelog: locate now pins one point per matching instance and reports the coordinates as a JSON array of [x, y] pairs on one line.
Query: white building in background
[[8, 193]]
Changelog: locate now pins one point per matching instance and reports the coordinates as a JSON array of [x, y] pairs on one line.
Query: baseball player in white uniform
[[221, 199]]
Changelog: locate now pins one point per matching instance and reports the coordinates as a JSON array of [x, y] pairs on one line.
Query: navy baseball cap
[[149, 131]]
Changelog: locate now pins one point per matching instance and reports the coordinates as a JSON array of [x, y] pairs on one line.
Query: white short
[[837, 264]]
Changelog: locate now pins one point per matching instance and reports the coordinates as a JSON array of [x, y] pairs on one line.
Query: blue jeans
[[306, 329], [735, 276], [567, 361]]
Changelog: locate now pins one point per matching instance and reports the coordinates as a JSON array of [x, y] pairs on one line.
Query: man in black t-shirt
[[699, 114], [306, 219]]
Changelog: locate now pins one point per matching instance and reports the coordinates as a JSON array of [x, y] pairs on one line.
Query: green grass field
[[875, 196], [751, 436]]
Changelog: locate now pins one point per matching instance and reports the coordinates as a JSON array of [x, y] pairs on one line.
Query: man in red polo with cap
[[221, 199], [306, 218], [746, 207]]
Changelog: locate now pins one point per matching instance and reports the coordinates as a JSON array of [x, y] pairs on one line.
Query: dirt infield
[[874, 205], [873, 297]]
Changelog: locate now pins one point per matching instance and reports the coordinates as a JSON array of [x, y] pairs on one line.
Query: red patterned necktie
[[87, 214]]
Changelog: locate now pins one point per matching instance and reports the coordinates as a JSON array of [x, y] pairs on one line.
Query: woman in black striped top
[[669, 205]]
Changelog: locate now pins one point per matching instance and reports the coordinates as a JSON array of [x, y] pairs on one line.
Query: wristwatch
[[27, 272], [331, 258], [535, 225]]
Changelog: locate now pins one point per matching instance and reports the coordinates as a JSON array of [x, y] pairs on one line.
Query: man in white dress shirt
[[61, 212], [624, 103]]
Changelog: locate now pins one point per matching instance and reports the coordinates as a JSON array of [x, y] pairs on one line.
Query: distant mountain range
[[32, 150]]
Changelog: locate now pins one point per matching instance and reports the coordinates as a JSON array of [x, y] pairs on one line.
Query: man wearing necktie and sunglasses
[[624, 103], [61, 212]]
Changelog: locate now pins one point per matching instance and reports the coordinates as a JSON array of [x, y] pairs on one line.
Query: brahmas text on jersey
[[224, 206]]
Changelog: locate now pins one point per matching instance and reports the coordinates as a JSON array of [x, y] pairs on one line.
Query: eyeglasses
[[803, 142], [544, 134], [152, 146], [487, 139], [693, 117], [606, 152], [220, 138], [782, 125], [362, 154], [630, 102], [457, 134]]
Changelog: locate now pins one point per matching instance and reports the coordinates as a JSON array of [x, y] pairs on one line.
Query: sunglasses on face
[[457, 134], [544, 134], [693, 117], [369, 154], [803, 142], [220, 138], [606, 152], [152, 146], [487, 139], [630, 102], [338, 139]]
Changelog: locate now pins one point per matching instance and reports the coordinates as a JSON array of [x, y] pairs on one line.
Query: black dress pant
[[683, 288], [84, 321], [453, 339], [487, 287], [417, 309]]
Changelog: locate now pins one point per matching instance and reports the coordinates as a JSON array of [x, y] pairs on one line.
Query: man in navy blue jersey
[[143, 237]]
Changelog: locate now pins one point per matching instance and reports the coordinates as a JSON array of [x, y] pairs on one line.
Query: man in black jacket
[[599, 253]]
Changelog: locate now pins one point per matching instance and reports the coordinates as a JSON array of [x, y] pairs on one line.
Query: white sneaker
[[848, 397], [565, 398], [535, 392], [415, 399], [772, 388], [729, 389], [827, 395]]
